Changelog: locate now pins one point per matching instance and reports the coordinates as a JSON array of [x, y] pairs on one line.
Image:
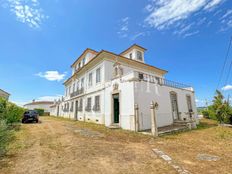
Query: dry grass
[[59, 145]]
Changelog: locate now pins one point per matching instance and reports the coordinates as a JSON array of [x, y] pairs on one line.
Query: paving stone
[[206, 157]]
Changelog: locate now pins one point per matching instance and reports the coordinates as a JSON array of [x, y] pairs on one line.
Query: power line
[[228, 75], [224, 65]]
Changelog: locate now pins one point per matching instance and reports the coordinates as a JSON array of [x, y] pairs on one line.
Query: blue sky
[[40, 39]]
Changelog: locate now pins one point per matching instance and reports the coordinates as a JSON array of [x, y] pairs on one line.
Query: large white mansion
[[105, 88]]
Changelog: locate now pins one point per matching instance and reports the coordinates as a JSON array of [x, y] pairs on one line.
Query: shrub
[[205, 113], [3, 105], [40, 111], [9, 113], [14, 113], [6, 135]]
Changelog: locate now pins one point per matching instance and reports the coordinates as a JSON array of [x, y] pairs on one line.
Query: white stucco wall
[[147, 92]]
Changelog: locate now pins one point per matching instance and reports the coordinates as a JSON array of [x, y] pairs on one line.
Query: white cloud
[[226, 20], [191, 34], [51, 75], [212, 4], [26, 11], [124, 27], [138, 35], [166, 14], [227, 88]]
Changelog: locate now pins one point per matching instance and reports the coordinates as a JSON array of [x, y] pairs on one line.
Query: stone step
[[173, 130], [114, 126]]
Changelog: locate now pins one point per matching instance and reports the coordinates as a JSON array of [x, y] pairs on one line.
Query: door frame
[[76, 110], [177, 107], [112, 107]]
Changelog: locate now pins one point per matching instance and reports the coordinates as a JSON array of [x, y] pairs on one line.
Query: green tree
[[221, 108]]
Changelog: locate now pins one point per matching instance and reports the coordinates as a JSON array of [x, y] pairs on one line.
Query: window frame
[[97, 106], [98, 75], [90, 81], [139, 55]]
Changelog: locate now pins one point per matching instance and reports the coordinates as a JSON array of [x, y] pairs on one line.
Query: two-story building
[[105, 88]]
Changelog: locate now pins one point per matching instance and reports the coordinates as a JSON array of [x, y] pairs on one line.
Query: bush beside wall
[[40, 111], [9, 114]]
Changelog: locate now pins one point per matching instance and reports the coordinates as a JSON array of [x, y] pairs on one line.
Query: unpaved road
[[61, 146]]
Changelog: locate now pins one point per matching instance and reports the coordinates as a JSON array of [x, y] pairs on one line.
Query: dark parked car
[[30, 116]]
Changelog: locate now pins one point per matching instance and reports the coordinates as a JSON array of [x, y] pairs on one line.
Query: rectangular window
[[88, 106], [71, 108], [139, 55], [82, 82], [157, 80], [97, 103], [77, 86], [68, 106], [98, 75], [79, 65], [90, 79], [74, 86], [80, 105], [130, 55], [83, 61], [66, 91], [69, 89], [189, 103]]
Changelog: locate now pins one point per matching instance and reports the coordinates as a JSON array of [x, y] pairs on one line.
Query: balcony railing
[[76, 93], [162, 81]]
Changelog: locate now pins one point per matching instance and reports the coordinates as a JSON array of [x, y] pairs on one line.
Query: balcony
[[76, 93], [162, 81]]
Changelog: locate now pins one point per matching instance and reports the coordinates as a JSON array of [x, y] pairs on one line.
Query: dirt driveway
[[62, 146]]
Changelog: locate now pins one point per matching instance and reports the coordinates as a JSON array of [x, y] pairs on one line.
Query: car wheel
[[37, 121]]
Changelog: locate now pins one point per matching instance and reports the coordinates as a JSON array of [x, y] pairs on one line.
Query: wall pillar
[[154, 128], [136, 120]]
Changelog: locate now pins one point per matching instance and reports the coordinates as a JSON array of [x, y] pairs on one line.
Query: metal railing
[[76, 93], [162, 81], [173, 84]]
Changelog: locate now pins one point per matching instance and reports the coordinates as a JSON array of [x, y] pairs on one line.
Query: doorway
[[175, 112], [76, 110], [116, 108]]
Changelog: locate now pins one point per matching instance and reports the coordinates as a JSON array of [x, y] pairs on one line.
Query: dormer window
[[130, 55], [83, 61], [79, 65], [139, 55]]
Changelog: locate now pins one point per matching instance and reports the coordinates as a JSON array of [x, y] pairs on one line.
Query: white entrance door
[[174, 104]]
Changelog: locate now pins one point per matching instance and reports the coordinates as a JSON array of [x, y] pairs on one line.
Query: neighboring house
[[40, 105], [4, 94], [105, 88]]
